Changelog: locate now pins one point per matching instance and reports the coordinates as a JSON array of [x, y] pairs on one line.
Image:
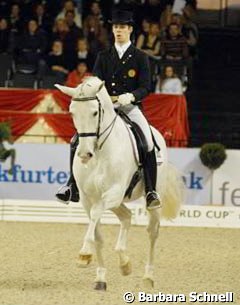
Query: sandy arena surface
[[38, 264]]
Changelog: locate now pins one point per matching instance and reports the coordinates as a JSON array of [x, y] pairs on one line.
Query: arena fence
[[52, 211]]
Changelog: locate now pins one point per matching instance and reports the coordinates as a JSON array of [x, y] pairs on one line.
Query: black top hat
[[122, 17]]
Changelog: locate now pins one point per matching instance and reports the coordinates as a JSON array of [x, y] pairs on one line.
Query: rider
[[125, 70]]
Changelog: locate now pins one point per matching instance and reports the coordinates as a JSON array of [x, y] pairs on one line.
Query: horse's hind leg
[[153, 231], [124, 215]]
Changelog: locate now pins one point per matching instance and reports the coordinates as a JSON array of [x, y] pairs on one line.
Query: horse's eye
[[95, 113]]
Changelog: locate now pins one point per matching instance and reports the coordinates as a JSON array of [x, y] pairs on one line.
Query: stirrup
[[62, 195], [153, 200]]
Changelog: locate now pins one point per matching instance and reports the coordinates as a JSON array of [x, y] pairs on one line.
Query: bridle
[[96, 134]]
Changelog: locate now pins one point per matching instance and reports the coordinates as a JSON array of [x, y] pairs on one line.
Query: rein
[[96, 134]]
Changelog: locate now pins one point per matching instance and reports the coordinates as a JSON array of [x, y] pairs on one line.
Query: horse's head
[[87, 109]]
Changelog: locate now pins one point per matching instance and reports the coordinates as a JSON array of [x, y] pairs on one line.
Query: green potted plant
[[212, 156], [5, 135], [5, 131]]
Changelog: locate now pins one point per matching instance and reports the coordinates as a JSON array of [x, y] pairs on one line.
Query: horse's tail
[[169, 183], [173, 192]]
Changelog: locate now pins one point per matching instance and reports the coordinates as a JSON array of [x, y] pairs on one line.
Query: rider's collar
[[121, 49]]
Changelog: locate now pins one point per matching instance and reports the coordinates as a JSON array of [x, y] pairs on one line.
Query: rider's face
[[122, 33]]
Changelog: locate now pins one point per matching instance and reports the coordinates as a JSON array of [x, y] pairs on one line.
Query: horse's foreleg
[[124, 215], [100, 280], [93, 237], [86, 251], [96, 212], [153, 231]]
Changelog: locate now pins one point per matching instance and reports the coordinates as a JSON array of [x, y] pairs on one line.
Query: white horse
[[103, 166]]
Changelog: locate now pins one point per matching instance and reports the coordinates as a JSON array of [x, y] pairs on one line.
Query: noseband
[[96, 134]]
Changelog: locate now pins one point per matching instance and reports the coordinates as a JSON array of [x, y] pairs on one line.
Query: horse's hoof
[[126, 269], [148, 283], [100, 286], [84, 260]]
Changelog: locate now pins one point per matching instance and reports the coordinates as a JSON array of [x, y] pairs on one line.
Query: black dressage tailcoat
[[130, 74]]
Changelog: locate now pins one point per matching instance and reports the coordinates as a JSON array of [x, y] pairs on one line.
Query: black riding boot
[[150, 177], [69, 192]]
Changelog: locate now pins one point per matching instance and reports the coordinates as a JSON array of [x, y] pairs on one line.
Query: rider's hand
[[126, 98]]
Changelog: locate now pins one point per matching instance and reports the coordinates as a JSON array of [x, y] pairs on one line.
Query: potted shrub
[[212, 156]]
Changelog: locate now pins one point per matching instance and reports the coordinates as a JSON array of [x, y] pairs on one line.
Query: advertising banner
[[196, 176], [226, 181], [39, 171], [42, 168]]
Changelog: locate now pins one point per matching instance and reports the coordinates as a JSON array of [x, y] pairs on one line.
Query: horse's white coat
[[103, 178]]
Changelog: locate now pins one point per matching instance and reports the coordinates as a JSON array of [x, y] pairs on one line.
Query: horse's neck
[[118, 139], [117, 136], [109, 112]]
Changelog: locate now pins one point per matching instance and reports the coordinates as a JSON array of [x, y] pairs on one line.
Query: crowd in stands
[[58, 41]]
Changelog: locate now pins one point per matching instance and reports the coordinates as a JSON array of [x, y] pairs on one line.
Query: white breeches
[[137, 116]]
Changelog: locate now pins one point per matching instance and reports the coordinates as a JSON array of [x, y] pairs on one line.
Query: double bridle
[[96, 134]]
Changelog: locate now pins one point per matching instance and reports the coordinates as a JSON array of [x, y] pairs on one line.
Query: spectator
[[174, 46], [41, 16], [69, 6], [75, 31], [76, 76], [190, 30], [145, 26], [178, 19], [69, 39], [4, 36], [60, 30], [32, 44], [83, 53], [96, 35], [169, 82], [15, 20], [187, 28], [165, 18], [150, 42], [95, 11], [56, 62]]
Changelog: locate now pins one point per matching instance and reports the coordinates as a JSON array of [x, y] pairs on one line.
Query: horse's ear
[[67, 90]]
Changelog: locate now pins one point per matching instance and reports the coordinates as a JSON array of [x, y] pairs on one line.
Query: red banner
[[20, 122], [21, 99], [167, 113]]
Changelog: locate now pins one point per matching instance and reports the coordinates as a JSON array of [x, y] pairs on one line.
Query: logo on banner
[[229, 194], [193, 181], [21, 175]]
